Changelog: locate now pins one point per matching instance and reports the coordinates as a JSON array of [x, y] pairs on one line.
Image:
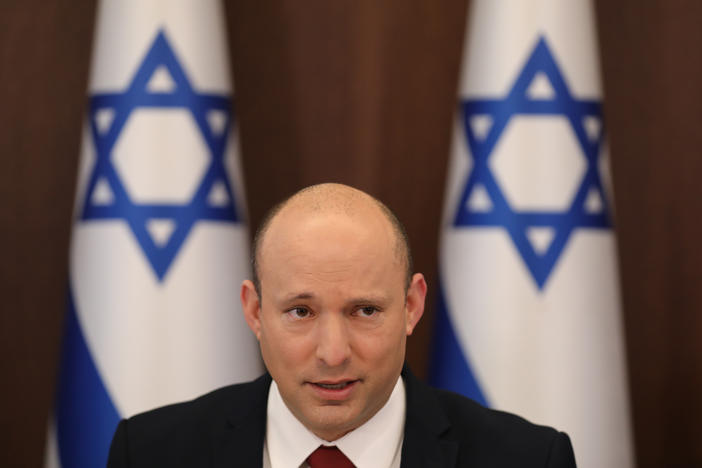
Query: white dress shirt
[[375, 444]]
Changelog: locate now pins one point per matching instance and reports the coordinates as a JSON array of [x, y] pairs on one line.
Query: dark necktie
[[328, 457]]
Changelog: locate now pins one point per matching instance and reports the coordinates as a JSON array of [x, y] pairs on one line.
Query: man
[[332, 302]]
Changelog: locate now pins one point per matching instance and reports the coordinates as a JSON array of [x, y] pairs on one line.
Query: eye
[[298, 313], [367, 311]]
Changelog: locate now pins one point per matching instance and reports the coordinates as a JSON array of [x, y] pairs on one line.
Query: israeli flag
[[159, 244], [529, 320]]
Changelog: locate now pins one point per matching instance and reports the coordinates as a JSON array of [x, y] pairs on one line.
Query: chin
[[332, 422]]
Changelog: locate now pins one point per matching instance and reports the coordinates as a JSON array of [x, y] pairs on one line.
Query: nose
[[333, 347]]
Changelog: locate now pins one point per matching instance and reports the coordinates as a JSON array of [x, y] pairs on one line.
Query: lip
[[333, 394]]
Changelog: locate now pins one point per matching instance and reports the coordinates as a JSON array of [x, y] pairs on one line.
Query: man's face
[[333, 318]]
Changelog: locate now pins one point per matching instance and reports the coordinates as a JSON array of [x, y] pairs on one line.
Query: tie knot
[[328, 457]]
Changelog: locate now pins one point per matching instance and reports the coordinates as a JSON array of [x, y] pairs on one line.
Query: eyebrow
[[368, 300], [354, 300], [294, 297]]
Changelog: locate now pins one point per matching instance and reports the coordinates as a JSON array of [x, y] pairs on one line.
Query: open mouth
[[334, 391], [336, 386]]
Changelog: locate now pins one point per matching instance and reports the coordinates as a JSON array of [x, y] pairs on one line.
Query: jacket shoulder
[[489, 437], [466, 414], [201, 410], [181, 434]]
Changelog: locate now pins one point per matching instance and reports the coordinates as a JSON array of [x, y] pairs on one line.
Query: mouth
[[334, 390], [335, 386]]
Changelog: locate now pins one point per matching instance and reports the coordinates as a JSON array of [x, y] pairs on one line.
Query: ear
[[251, 306], [414, 306]]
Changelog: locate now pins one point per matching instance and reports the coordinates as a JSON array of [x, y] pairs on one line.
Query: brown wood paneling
[[44, 53], [652, 68]]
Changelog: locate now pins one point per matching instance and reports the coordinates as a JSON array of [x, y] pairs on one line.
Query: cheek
[[383, 345], [282, 351]]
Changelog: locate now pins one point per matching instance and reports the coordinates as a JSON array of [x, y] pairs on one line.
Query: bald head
[[328, 201]]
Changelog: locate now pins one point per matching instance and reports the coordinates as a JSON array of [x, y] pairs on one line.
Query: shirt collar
[[376, 443]]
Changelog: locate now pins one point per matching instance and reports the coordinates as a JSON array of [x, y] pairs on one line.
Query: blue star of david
[[122, 205], [500, 213]]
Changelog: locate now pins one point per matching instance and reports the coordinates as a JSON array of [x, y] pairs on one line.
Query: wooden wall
[[363, 92]]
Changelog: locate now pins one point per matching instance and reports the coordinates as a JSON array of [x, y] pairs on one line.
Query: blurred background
[[364, 93]]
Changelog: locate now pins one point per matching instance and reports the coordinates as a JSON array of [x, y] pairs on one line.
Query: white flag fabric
[[159, 244], [530, 320]]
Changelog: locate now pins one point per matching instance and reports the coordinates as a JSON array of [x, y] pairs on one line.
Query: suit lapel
[[425, 423], [239, 441]]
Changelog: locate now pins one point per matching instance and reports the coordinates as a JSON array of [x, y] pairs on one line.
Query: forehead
[[330, 247]]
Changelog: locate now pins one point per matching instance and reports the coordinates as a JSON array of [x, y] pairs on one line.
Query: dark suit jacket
[[226, 428]]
